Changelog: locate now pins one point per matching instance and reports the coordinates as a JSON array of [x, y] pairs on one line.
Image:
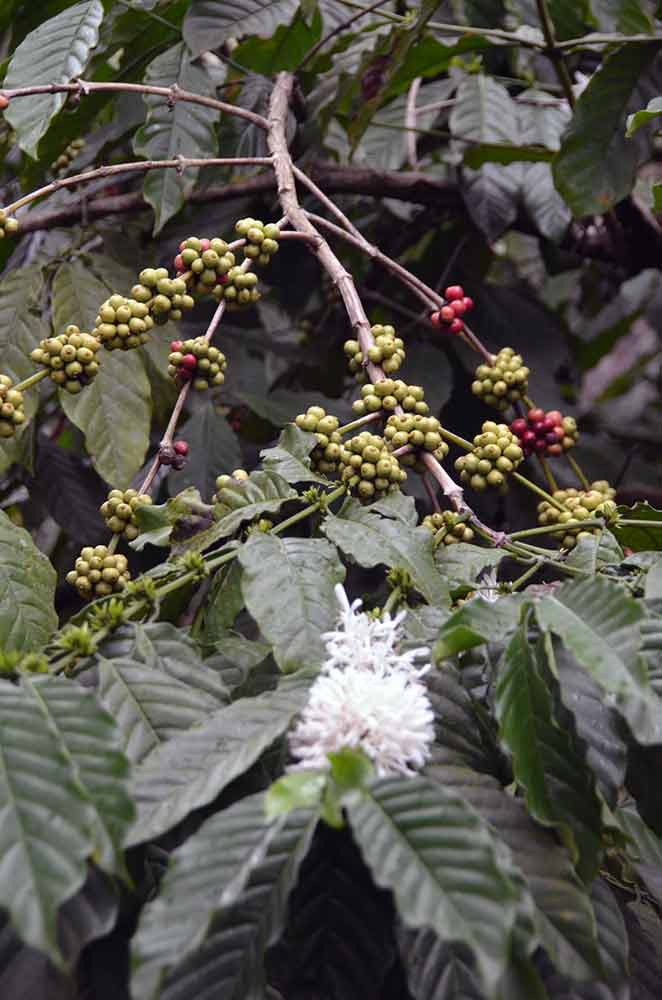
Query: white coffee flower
[[387, 716], [370, 644]]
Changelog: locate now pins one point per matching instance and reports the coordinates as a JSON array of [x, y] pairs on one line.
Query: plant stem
[[518, 477], [632, 522], [392, 601], [553, 485], [343, 26], [112, 544], [171, 94], [180, 163], [533, 568], [369, 418], [553, 53], [553, 529], [576, 468], [456, 439], [31, 380]]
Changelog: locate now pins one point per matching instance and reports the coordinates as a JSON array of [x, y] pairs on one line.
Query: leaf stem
[[31, 380], [553, 529], [523, 481], [576, 468], [533, 568]]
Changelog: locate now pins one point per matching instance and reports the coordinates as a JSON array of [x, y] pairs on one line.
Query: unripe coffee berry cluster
[[543, 433], [70, 358], [9, 226], [261, 240], [122, 323], [387, 351], [207, 263], [368, 467], [457, 304], [119, 511], [495, 454], [238, 288], [503, 382], [448, 527], [197, 362], [11, 407], [164, 297], [60, 165], [326, 454], [222, 482], [581, 505], [97, 573], [417, 431], [388, 394]]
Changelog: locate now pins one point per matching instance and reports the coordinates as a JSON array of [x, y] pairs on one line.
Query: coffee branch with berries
[[393, 435]]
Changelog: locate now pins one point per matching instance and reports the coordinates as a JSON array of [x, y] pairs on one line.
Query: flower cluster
[[369, 696]]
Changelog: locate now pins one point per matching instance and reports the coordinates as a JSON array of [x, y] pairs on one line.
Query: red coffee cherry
[[454, 292]]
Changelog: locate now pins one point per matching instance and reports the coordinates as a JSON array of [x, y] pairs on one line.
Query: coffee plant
[[331, 500]]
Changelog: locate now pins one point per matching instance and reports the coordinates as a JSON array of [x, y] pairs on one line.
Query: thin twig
[[343, 26], [410, 121], [180, 163], [171, 94], [553, 53]]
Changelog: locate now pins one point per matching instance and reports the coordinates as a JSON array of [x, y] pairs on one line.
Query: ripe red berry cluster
[[457, 304], [541, 433]]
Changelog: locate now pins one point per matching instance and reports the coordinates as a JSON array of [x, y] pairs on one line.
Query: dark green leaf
[[442, 863], [548, 761], [571, 18], [114, 411], [543, 123], [237, 865], [477, 622], [495, 152], [652, 110], [209, 23], [185, 129], [63, 800], [288, 586], [372, 540], [27, 590], [595, 552], [462, 563], [55, 52], [644, 849], [596, 166], [437, 970], [289, 458], [640, 539], [599, 623], [192, 768]]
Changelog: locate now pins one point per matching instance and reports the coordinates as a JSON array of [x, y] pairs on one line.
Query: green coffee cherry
[[119, 511], [239, 288], [580, 506], [71, 358], [448, 527], [97, 573], [325, 456], [11, 407], [368, 467], [222, 482], [66, 158], [197, 362], [388, 394], [203, 264], [503, 382], [122, 323], [416, 431], [9, 226], [495, 454], [261, 240]]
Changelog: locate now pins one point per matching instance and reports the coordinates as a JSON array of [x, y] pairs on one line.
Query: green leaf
[[192, 768], [182, 516], [55, 52], [299, 790], [372, 540], [595, 552], [159, 689], [62, 797], [288, 586], [543, 124], [595, 167], [237, 660], [599, 623], [498, 152], [22, 326], [223, 901], [442, 863], [548, 762], [114, 411], [462, 563], [652, 110], [640, 539], [224, 603], [214, 449], [262, 493], [644, 849], [477, 622], [485, 113], [437, 970], [571, 18], [209, 23], [289, 458], [183, 130], [657, 198], [27, 590]]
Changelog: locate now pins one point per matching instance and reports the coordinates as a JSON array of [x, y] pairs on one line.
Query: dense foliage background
[[144, 848]]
